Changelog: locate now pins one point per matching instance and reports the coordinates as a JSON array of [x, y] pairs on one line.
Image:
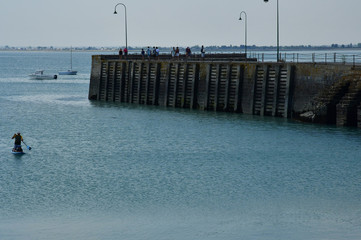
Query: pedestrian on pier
[[143, 53], [172, 53], [177, 53], [125, 50], [120, 53], [157, 53], [149, 53], [154, 52], [203, 52], [188, 52]]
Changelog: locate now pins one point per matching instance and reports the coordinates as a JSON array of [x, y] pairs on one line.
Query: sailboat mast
[[71, 58]]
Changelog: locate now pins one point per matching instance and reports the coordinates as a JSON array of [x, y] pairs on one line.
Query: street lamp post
[[126, 25], [278, 31], [245, 30]]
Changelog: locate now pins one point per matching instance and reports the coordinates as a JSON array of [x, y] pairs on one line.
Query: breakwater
[[320, 93]]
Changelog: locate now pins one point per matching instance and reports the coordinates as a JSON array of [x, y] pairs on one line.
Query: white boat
[[39, 75], [70, 72]]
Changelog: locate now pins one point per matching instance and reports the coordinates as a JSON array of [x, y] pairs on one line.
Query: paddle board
[[17, 153]]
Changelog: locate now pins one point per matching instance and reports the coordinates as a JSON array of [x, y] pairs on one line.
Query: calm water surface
[[116, 171]]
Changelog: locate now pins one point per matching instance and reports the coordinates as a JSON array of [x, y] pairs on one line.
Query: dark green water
[[114, 171]]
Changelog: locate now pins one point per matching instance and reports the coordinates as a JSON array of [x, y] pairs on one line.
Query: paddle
[[27, 146]]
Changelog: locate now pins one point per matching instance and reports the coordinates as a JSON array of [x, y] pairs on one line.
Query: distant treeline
[[224, 48], [283, 48]]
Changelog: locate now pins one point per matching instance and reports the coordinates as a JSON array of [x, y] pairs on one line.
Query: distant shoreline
[[229, 48], [53, 50]]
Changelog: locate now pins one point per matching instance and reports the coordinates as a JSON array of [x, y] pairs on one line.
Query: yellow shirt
[[17, 135]]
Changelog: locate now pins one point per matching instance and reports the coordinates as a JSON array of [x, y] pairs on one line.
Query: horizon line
[[334, 45]]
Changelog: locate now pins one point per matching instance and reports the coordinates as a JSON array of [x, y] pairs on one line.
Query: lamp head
[[115, 11], [265, 1]]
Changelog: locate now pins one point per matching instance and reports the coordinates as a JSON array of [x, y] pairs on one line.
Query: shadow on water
[[264, 121], [18, 156], [185, 111]]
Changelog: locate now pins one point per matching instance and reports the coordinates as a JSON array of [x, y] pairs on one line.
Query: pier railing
[[183, 57], [299, 57], [290, 57]]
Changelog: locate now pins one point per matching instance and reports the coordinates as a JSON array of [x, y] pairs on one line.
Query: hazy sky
[[184, 23]]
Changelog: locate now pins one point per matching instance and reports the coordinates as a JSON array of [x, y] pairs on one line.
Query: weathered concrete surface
[[247, 88], [94, 77], [320, 88], [314, 79]]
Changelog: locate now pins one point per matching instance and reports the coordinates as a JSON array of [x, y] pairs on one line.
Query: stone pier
[[320, 93]]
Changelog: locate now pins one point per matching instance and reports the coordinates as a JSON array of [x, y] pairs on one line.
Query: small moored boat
[[70, 72], [39, 75]]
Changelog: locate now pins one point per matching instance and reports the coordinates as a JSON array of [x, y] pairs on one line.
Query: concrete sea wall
[[322, 93]]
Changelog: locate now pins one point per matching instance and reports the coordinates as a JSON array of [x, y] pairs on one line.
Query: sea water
[[117, 171]]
